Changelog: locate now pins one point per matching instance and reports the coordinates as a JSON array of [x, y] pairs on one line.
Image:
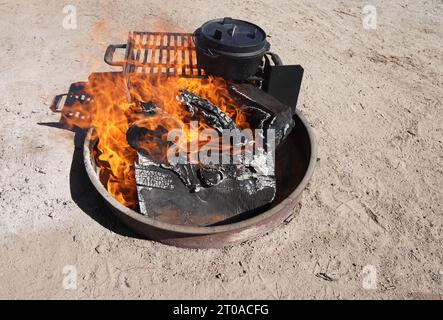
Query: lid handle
[[252, 34], [217, 34], [227, 20]]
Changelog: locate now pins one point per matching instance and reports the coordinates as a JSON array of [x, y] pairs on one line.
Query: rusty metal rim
[[201, 230]]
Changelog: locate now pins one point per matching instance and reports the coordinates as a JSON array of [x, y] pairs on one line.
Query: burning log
[[198, 193], [148, 108], [163, 195], [202, 110]]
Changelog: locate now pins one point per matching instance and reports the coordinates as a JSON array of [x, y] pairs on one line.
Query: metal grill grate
[[170, 54]]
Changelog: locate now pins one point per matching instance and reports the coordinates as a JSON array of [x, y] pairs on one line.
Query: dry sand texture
[[373, 210]]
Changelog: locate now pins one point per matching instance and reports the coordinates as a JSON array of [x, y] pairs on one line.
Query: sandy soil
[[373, 97]]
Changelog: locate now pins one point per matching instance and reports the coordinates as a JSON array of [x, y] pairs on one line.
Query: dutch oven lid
[[231, 36]]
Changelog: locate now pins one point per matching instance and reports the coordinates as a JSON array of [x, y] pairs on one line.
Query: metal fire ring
[[212, 236]]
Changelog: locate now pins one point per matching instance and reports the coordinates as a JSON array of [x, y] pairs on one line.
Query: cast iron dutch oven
[[230, 48]]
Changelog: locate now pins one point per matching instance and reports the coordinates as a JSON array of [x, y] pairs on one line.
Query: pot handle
[[55, 105], [275, 58], [210, 54], [109, 55]]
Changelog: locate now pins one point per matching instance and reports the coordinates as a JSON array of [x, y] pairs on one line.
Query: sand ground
[[373, 210]]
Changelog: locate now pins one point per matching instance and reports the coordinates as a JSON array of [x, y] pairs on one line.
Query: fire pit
[[184, 190], [295, 161]]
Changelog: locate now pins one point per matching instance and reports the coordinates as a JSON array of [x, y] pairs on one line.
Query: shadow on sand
[[82, 190]]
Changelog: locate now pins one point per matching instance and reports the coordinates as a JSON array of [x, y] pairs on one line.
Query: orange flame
[[111, 113]]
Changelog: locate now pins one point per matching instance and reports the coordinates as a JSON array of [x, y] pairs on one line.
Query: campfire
[[187, 132]]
